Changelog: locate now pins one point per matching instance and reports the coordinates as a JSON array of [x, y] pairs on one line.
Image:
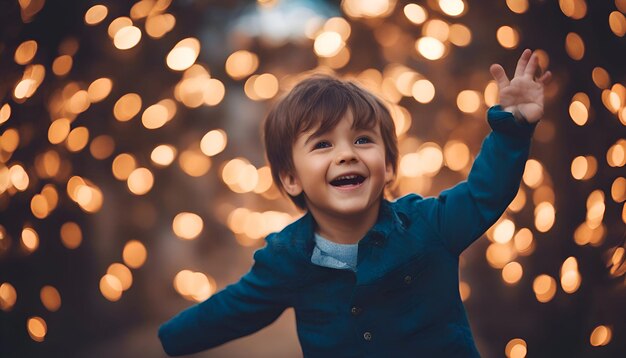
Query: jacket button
[[355, 311], [367, 336], [408, 279]]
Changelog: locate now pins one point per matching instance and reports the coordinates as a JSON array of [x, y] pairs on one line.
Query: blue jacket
[[404, 298]]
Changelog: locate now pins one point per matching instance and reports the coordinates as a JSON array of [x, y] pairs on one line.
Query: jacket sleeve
[[464, 212], [238, 310]]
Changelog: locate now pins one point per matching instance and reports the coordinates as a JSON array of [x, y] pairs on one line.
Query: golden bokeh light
[[62, 65], [71, 235], [533, 173], [516, 348], [431, 48], [576, 9], [437, 29], [618, 190], [9, 140], [127, 107], [99, 89], [159, 25], [77, 139], [452, 8], [415, 13], [368, 8], [460, 35], [96, 14], [194, 286], [574, 46], [163, 155], [30, 239], [578, 112], [456, 155], [39, 206], [616, 155], [338, 25], [545, 216], [498, 255], [140, 181], [111, 287], [59, 130], [127, 37], [187, 225], [570, 277], [523, 242], [468, 101], [617, 23], [517, 6], [118, 24], [19, 178], [37, 328], [25, 52], [544, 287], [518, 202], [507, 37], [50, 297], [601, 336], [240, 64], [503, 231], [8, 296], [184, 54], [465, 291], [601, 77], [423, 91], [5, 113], [155, 116], [123, 165], [122, 273], [512, 273], [134, 254], [101, 147], [194, 163], [213, 142]]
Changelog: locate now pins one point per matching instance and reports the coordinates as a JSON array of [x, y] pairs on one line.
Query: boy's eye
[[363, 140], [322, 144]]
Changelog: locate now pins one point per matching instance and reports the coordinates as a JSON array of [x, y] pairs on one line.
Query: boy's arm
[[463, 213], [238, 310]]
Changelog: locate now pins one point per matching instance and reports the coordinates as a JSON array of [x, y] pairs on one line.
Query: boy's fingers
[[499, 75], [531, 67], [545, 78], [522, 62]]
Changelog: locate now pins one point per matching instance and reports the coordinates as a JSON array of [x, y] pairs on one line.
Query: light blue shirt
[[331, 254]]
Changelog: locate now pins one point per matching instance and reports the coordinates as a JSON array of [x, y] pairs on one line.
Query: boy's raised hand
[[523, 95]]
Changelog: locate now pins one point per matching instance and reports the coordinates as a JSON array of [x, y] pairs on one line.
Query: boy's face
[[342, 172]]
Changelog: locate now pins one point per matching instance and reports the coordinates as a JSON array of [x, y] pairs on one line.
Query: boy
[[366, 277]]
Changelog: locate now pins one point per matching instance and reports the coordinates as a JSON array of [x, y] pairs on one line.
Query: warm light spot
[[134, 254], [340, 60], [62, 65], [154, 116], [415, 13], [468, 101], [452, 8], [423, 91], [127, 37], [533, 173], [111, 287], [127, 107], [194, 286], [37, 328], [19, 177], [9, 140], [79, 102], [574, 46], [579, 167], [25, 52], [99, 89], [618, 189], [214, 142], [578, 112], [159, 25], [544, 287], [437, 29], [265, 180], [194, 163], [71, 235], [523, 241], [595, 208], [241, 64], [77, 139], [163, 155], [544, 216], [570, 277], [123, 165], [96, 14], [118, 24], [328, 44], [187, 226], [122, 273], [39, 206], [518, 202], [503, 231], [512, 273], [430, 48], [102, 147], [338, 25], [601, 336], [616, 155], [401, 119], [465, 290], [8, 296], [498, 255], [516, 348], [140, 181], [460, 35], [617, 22], [51, 195], [50, 298], [240, 175], [30, 239], [73, 184], [184, 54], [456, 154], [576, 9], [266, 86], [601, 78], [507, 37], [214, 92], [517, 6], [59, 130], [431, 158], [5, 113]]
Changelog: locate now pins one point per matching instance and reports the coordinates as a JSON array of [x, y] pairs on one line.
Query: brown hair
[[322, 101]]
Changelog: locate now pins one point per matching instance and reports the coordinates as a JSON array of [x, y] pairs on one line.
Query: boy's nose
[[346, 157]]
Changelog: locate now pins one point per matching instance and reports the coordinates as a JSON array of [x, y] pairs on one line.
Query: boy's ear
[[291, 183], [389, 173]]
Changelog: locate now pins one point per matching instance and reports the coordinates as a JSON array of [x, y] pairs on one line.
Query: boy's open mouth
[[348, 180]]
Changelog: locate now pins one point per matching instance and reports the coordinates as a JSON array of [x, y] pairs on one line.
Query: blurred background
[[133, 182]]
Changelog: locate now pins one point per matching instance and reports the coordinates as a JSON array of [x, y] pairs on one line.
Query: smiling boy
[[365, 276]]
